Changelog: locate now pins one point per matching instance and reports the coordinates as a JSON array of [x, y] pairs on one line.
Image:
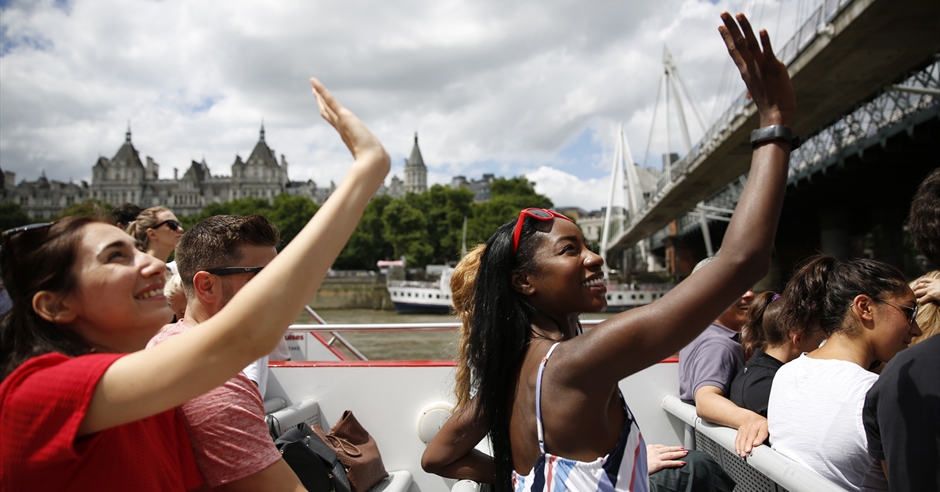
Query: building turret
[[416, 173]]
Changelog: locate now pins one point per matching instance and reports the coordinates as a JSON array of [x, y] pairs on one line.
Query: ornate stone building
[[416, 176], [125, 178]]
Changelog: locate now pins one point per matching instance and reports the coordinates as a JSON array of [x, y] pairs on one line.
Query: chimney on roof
[[176, 173]]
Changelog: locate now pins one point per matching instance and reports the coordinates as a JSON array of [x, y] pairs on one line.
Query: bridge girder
[[864, 48]]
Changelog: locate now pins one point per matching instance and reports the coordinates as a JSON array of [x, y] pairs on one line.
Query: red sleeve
[[43, 403]]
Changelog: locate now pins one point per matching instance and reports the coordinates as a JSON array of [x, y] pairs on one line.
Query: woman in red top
[[76, 413]]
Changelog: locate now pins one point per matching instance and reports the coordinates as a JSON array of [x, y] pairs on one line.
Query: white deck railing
[[764, 469]]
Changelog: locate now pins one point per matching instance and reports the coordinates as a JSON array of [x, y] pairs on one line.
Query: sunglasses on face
[[912, 310], [174, 225], [221, 271], [535, 213]]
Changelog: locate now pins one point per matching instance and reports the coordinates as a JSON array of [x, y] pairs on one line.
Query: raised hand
[[927, 290], [360, 141], [766, 77]]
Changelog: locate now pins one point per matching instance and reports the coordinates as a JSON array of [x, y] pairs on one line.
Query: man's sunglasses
[[233, 270], [535, 213], [912, 310], [174, 225]]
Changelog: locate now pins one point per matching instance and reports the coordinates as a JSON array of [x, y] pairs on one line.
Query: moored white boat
[[434, 297], [410, 296]]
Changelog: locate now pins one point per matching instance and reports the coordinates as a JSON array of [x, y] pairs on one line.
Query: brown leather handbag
[[357, 451]]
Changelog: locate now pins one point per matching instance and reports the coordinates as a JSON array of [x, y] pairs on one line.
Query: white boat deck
[[389, 398]]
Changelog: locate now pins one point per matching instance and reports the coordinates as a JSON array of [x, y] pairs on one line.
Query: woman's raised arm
[[638, 338], [150, 381]]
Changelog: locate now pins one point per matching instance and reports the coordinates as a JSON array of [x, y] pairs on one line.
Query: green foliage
[[289, 213], [507, 198], [90, 207], [12, 215], [406, 229], [367, 244], [425, 228]]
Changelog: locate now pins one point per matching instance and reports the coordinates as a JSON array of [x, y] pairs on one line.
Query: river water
[[401, 345]]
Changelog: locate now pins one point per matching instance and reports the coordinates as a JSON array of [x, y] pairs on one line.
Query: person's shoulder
[[55, 360], [169, 330]]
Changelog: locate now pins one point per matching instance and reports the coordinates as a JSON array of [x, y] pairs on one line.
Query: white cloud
[[490, 86]]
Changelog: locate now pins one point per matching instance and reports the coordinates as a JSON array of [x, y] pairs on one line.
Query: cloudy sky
[[533, 88]]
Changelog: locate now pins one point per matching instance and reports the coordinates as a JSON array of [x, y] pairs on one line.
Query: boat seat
[[763, 470], [306, 411], [396, 481], [309, 411]]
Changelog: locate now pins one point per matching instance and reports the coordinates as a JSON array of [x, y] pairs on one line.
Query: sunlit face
[[735, 316], [119, 292], [164, 234], [252, 256], [568, 277], [893, 332]]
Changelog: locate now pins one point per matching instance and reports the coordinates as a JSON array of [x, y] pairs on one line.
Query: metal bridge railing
[[895, 108], [815, 24], [894, 105]]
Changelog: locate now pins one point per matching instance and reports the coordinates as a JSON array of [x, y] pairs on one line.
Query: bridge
[[865, 73]]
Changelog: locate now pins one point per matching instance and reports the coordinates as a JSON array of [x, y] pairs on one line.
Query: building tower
[[416, 174]]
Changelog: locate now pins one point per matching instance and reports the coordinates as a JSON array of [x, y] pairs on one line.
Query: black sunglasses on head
[[232, 270], [174, 225]]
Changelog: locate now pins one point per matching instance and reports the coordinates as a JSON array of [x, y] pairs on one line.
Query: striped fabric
[[623, 469]]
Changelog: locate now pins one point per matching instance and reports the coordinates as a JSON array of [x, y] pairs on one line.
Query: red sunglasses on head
[[535, 213]]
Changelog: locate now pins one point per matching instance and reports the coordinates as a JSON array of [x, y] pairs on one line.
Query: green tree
[[12, 215], [507, 197], [406, 229], [290, 214], [445, 208], [367, 244], [90, 207]]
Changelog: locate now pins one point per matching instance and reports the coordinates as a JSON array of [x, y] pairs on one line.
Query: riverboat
[[403, 403], [411, 296]]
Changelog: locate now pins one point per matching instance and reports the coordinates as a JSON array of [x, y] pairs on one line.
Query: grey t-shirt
[[712, 359]]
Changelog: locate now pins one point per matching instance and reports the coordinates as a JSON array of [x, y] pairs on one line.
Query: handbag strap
[[347, 447]]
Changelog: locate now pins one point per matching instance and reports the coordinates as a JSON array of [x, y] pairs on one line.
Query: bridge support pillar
[[834, 232], [888, 234]]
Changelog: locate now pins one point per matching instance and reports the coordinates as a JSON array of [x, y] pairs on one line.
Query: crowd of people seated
[[815, 353], [84, 406]]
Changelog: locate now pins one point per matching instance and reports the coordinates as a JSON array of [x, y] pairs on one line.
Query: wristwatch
[[775, 132]]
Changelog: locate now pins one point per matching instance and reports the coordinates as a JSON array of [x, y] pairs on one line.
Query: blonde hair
[[928, 317], [461, 288], [173, 290], [145, 220]]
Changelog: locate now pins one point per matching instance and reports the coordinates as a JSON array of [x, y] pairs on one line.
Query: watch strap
[[774, 132]]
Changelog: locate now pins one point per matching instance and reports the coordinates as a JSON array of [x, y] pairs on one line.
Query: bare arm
[[711, 405], [638, 338], [150, 381], [276, 478], [451, 453]]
